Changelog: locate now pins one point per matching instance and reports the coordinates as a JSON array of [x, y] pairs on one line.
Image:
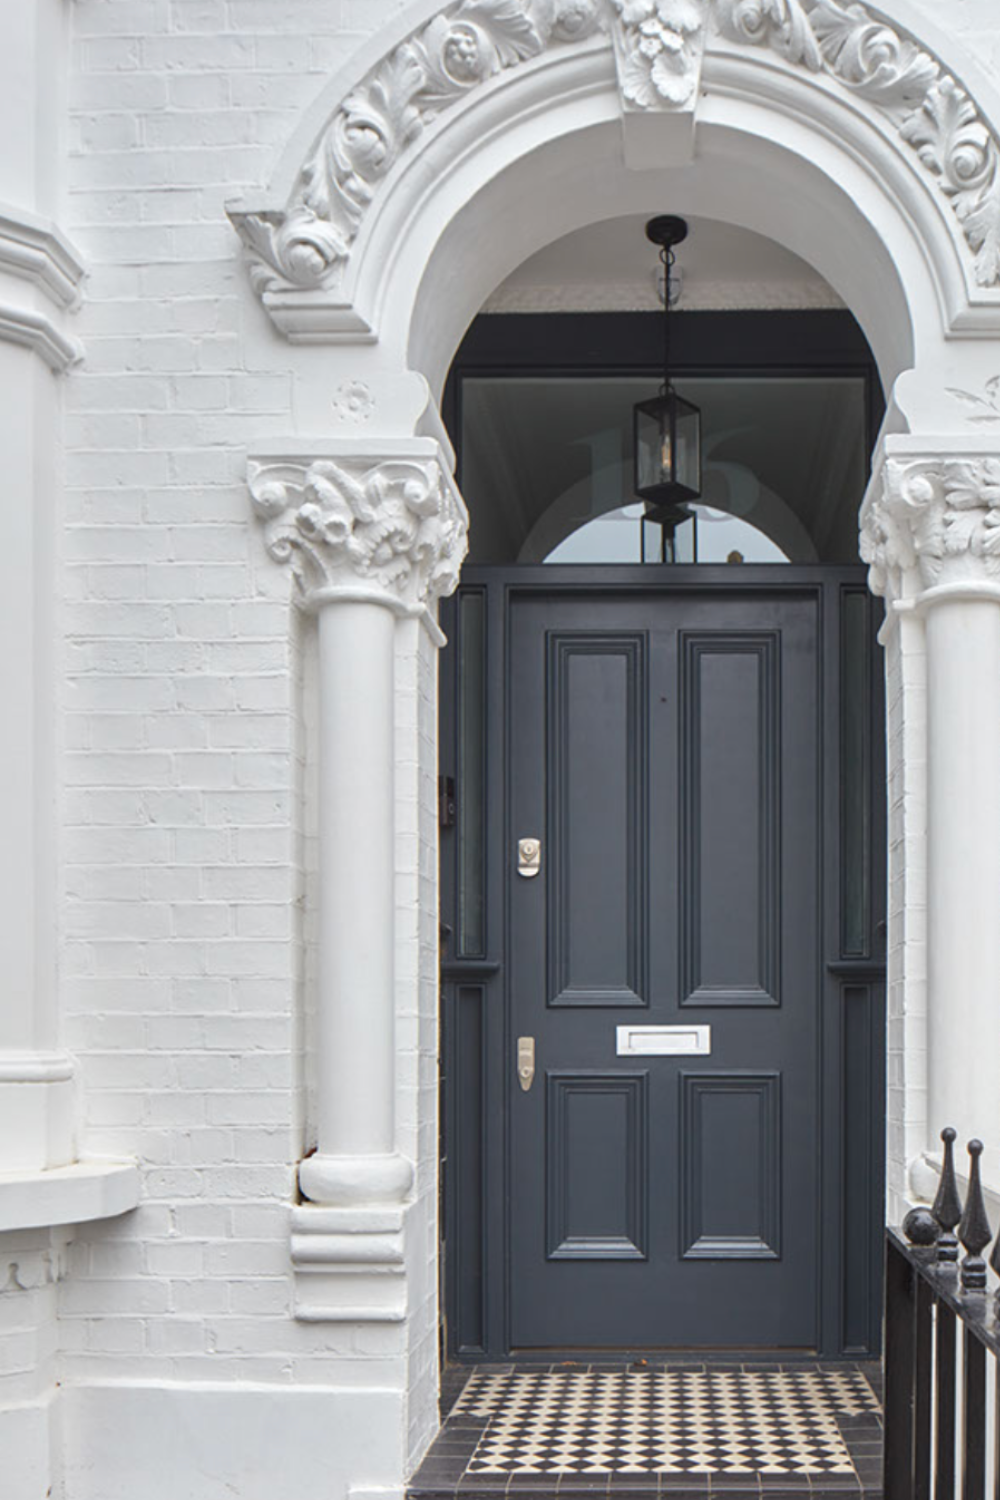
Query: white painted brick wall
[[186, 711]]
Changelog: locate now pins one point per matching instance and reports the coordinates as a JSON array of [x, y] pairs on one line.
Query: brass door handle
[[526, 1061]]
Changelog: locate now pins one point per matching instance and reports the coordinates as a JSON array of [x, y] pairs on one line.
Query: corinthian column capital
[[386, 526], [931, 522]]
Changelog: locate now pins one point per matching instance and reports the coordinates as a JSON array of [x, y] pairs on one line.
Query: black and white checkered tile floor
[[712, 1428]]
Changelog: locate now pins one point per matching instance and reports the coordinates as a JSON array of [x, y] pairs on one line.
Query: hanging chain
[[667, 258]]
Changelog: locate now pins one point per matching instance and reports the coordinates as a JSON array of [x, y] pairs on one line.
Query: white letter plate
[[660, 1041]]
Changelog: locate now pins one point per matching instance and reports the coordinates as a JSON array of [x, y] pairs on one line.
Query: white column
[[39, 277], [370, 538], [355, 1158], [963, 825], [930, 529]]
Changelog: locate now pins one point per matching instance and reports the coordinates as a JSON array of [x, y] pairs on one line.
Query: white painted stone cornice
[[300, 249], [38, 251], [930, 524], [382, 522]]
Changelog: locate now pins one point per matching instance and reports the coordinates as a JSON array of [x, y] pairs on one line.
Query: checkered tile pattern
[[664, 1422]]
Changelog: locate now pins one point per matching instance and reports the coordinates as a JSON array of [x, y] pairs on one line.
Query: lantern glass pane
[[687, 447], [652, 446], [667, 449]]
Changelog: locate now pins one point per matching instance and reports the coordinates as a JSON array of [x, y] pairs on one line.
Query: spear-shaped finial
[[974, 1231], [947, 1205]]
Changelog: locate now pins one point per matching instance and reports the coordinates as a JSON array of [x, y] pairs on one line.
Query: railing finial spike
[[974, 1230], [947, 1208]]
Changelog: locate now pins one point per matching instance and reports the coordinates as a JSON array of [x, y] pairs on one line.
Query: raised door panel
[[730, 1166], [730, 807], [597, 754], [596, 1175]]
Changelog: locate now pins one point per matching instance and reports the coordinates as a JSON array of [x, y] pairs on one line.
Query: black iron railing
[[942, 1329]]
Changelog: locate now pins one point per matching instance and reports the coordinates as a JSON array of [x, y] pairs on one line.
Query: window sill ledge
[[76, 1194]]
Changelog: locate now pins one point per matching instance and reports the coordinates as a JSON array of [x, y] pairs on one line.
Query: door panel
[[731, 1200], [665, 749], [597, 758], [730, 806], [596, 1178]]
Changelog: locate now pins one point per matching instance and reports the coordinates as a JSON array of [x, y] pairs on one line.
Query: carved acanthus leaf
[[398, 526], [305, 245], [781, 25], [927, 514], [929, 108]]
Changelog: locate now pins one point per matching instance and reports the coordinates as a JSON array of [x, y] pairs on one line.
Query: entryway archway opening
[[663, 859], [384, 237]]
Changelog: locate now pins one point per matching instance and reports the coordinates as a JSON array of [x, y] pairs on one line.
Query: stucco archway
[[426, 173]]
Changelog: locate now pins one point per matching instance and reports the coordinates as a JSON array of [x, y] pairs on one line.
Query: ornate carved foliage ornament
[[398, 527], [659, 43], [929, 109], [304, 245], [938, 516]]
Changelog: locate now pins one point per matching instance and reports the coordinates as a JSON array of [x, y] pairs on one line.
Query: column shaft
[[963, 657], [356, 1061]]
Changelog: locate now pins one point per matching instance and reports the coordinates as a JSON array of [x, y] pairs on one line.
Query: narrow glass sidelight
[[855, 781], [470, 812]]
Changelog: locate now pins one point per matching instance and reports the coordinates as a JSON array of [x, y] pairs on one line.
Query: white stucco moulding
[[349, 1264], [35, 251], [377, 521], [930, 522], [37, 331], [310, 242]]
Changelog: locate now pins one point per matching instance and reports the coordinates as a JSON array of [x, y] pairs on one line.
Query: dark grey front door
[[665, 751]]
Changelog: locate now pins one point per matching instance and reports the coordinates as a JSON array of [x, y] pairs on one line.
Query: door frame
[[476, 1052]]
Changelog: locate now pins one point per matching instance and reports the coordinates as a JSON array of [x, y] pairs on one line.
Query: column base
[[349, 1264], [353, 1181]]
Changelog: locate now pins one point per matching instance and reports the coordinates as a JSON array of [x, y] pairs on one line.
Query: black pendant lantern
[[667, 428]]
